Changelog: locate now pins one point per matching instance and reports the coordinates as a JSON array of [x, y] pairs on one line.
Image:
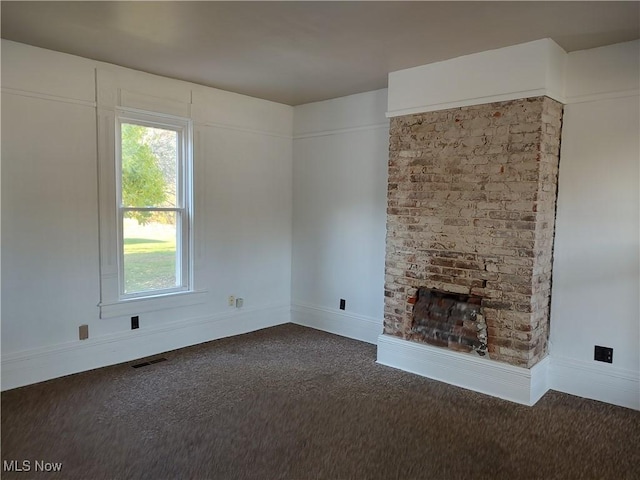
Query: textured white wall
[[596, 270], [596, 275], [339, 204], [50, 279], [603, 72], [247, 205]]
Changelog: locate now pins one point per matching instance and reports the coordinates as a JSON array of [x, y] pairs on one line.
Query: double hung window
[[153, 203]]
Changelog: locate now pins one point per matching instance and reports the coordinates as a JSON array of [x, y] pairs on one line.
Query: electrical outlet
[[83, 332], [232, 300], [135, 322], [603, 354], [239, 302], [343, 303]]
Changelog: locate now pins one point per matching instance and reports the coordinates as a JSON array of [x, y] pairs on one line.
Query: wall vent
[[150, 362]]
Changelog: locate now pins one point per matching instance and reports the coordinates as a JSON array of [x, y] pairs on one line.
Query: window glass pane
[[150, 255], [149, 165]]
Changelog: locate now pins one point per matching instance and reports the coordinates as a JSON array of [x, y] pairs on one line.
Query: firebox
[[449, 320]]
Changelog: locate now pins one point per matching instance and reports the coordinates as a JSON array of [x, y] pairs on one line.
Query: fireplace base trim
[[516, 384]]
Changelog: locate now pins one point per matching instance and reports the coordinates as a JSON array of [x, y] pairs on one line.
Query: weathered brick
[[471, 209]]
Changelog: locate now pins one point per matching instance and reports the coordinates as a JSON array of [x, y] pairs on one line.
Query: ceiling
[[300, 52]]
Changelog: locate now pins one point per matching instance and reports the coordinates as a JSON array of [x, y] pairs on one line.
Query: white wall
[[596, 270], [596, 273], [340, 152], [50, 256], [600, 73], [49, 224]]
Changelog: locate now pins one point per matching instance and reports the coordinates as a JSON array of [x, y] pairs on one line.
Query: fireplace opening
[[449, 320]]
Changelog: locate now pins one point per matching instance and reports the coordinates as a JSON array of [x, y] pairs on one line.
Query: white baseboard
[[358, 327], [599, 382], [602, 382], [521, 385], [33, 366]]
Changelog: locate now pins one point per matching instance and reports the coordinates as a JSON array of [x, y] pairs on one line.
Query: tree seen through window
[[148, 182]]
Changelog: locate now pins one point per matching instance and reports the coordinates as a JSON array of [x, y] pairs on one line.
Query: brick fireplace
[[470, 218]]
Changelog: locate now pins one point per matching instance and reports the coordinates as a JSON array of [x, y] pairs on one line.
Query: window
[[148, 225], [153, 197]]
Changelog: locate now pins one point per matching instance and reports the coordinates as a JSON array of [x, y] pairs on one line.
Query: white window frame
[[183, 210], [113, 301]]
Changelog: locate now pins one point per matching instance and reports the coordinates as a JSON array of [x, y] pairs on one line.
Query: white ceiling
[[300, 52]]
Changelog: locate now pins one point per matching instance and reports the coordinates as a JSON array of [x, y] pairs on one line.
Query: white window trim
[[152, 303], [114, 302], [182, 127]]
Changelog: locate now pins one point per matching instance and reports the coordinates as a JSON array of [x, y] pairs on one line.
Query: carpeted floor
[[294, 403]]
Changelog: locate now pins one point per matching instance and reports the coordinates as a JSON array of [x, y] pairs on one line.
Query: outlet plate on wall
[[83, 332], [603, 354]]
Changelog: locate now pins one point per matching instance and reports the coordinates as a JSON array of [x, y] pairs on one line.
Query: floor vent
[[150, 362]]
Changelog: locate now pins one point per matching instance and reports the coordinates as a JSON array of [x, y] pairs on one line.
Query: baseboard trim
[[37, 365], [358, 327], [516, 384], [526, 386], [605, 383]]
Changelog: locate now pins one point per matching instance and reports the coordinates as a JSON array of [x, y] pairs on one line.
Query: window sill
[[135, 306]]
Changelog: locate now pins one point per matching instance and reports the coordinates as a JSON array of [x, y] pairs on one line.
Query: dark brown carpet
[[294, 403]]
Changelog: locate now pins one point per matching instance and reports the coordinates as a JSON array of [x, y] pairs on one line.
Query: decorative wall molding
[[603, 72], [594, 97], [520, 385], [242, 129], [44, 96], [37, 365], [602, 382], [214, 107], [340, 131], [140, 101], [358, 327]]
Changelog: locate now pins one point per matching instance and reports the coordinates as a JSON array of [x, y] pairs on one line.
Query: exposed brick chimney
[[471, 210]]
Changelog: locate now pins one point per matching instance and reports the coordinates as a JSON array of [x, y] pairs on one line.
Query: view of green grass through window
[[149, 255], [149, 165]]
